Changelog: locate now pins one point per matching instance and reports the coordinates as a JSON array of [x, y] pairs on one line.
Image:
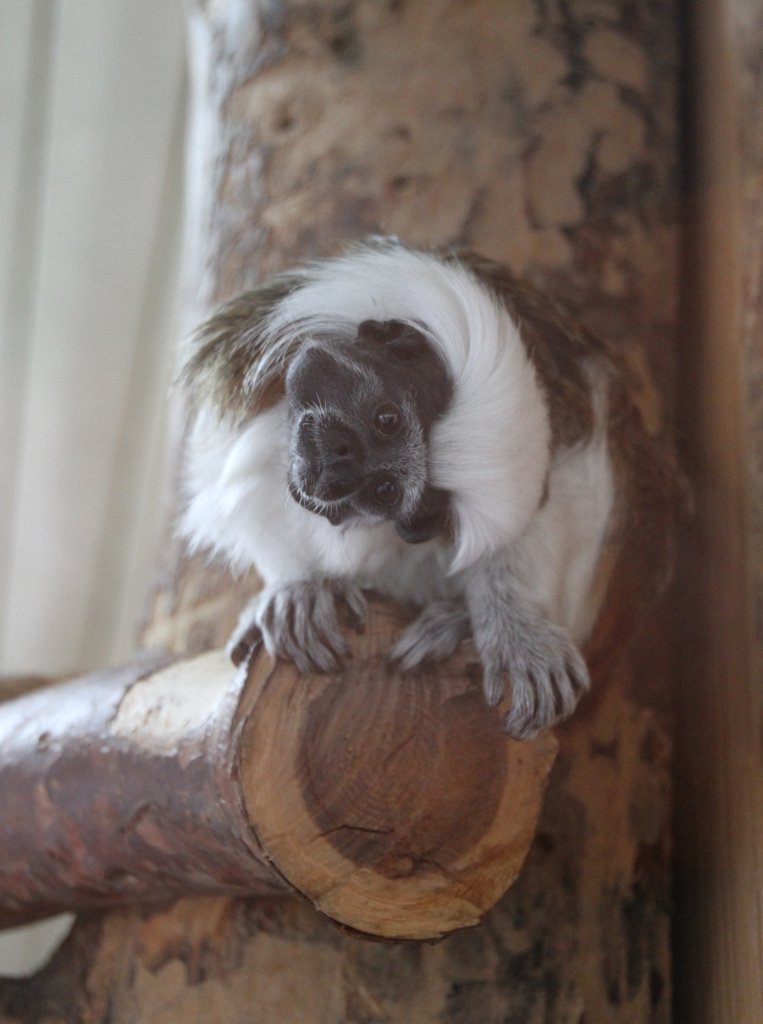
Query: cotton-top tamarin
[[421, 425]]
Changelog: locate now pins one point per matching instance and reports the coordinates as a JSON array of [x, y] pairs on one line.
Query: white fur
[[239, 506], [490, 450], [555, 560]]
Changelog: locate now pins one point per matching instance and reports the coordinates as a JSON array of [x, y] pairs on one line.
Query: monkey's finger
[[301, 620], [244, 647], [569, 680], [407, 653], [323, 629], [321, 657], [414, 649], [520, 728], [492, 684], [289, 647], [354, 602], [565, 692], [578, 672], [300, 658], [522, 721], [303, 644], [327, 652]]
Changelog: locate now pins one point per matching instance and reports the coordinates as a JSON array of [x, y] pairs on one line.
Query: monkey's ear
[[398, 338]]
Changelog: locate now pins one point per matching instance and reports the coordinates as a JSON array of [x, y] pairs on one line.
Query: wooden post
[[719, 750], [542, 135]]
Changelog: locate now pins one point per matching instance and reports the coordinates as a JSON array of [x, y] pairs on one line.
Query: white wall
[[92, 96]]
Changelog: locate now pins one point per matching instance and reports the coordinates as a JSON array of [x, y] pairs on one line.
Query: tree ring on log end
[[394, 803]]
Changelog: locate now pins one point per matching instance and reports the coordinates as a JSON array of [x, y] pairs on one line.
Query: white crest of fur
[[491, 448]]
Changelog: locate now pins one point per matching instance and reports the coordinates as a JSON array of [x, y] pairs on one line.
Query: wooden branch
[[394, 804]]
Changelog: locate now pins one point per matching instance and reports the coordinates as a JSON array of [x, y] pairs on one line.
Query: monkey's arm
[[517, 643]]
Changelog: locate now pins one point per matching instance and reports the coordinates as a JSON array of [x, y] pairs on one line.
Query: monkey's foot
[[433, 636], [546, 672], [300, 622]]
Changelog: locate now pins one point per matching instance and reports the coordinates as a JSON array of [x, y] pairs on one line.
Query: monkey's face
[[361, 414]]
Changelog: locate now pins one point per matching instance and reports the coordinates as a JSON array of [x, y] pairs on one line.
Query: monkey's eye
[[386, 493], [387, 419]]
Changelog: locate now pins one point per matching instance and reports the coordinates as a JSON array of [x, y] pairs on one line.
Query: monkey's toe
[[352, 602], [244, 647], [245, 638], [432, 637]]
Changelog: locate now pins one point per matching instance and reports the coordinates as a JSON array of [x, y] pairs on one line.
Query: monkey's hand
[[545, 669], [300, 622], [433, 636]]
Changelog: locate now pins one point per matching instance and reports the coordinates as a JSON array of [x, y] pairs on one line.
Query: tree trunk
[[542, 135]]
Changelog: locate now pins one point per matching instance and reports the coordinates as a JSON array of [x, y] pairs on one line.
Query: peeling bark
[[115, 788]]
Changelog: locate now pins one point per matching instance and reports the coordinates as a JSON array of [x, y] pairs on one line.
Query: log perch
[[394, 804]]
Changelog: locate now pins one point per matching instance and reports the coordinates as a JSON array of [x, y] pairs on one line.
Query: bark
[[116, 787], [149, 782], [542, 135]]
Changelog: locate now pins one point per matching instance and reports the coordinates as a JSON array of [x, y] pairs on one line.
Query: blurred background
[[92, 112]]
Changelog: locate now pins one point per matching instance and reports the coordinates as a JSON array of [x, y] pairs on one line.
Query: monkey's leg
[[546, 671], [299, 622], [433, 636]]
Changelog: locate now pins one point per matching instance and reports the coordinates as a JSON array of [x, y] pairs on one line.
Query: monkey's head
[[360, 414]]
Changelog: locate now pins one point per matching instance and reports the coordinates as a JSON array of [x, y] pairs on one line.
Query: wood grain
[[395, 804]]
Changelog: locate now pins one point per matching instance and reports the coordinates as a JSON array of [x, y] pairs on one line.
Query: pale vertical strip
[[115, 87], [136, 505], [26, 52], [27, 40], [86, 330]]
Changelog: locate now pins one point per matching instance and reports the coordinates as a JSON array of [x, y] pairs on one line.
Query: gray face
[[361, 413]]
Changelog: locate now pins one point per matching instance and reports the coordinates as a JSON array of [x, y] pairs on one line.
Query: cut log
[[395, 804]]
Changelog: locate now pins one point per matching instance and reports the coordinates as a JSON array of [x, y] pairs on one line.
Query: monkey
[[419, 424]]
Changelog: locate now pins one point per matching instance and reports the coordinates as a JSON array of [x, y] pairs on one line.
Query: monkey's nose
[[336, 481], [339, 460], [339, 448]]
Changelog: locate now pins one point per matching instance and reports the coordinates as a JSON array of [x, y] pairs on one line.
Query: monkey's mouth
[[335, 511]]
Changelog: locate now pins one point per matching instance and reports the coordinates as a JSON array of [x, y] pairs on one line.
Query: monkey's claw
[[547, 676], [300, 622], [243, 641]]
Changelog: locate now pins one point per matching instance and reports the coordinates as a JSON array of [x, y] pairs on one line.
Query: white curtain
[[92, 97]]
